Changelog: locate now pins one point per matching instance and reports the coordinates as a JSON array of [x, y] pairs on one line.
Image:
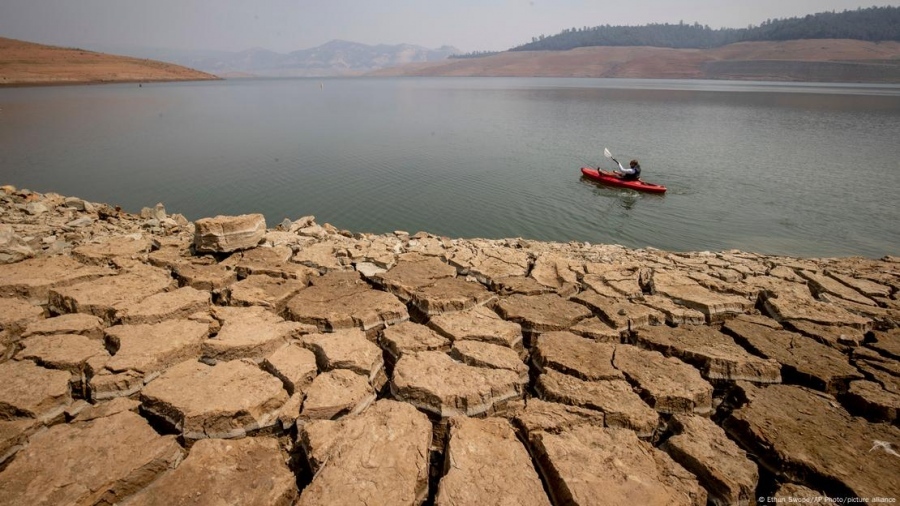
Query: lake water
[[794, 169]]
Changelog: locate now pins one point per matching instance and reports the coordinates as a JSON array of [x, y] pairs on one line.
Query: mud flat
[[231, 361]]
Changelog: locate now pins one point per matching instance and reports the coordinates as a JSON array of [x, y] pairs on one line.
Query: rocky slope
[[798, 60], [226, 362], [26, 63]]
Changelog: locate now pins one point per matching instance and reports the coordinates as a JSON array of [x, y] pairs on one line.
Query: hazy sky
[[288, 25]]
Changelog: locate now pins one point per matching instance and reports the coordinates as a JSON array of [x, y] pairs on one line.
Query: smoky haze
[[288, 25]]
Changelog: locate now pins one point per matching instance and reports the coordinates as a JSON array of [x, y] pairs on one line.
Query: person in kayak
[[632, 173]]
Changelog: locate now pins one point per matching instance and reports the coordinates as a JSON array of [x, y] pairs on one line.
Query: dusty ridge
[[831, 60], [25, 63], [155, 373]]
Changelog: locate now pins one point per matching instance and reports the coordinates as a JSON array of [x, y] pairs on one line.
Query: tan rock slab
[[870, 400], [804, 360], [597, 282], [621, 406], [108, 408], [112, 248], [222, 234], [342, 300], [250, 332], [32, 279], [864, 286], [715, 354], [179, 303], [792, 307], [575, 355], [16, 314], [620, 314], [887, 343], [840, 338], [485, 463], [30, 391], [378, 457], [106, 296], [97, 462], [261, 290], [542, 313], [225, 401], [820, 283], [598, 330], [489, 262], [348, 349], [319, 256], [337, 393], [722, 468], [675, 314], [67, 352], [249, 471], [537, 414], [479, 324], [801, 433], [797, 494], [208, 277], [273, 261], [14, 436], [509, 285], [409, 337], [413, 272], [557, 272], [687, 292], [480, 354], [434, 382], [449, 295], [294, 365], [669, 385], [586, 465], [74, 323], [150, 348]]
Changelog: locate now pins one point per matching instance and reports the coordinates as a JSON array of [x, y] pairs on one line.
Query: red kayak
[[611, 179]]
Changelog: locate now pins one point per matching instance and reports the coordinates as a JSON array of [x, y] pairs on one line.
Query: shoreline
[[192, 355]]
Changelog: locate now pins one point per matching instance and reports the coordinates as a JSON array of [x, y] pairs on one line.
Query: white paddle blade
[[606, 153]]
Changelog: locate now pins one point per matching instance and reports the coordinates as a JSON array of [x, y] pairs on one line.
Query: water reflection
[[626, 199]]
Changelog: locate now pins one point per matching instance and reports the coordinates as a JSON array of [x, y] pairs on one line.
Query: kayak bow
[[610, 178]]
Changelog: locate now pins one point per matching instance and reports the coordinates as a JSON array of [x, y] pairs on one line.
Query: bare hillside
[[26, 63], [801, 60]]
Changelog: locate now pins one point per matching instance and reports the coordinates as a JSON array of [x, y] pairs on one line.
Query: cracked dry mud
[[141, 363]]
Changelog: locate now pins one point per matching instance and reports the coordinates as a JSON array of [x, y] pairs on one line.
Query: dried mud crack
[[145, 359]]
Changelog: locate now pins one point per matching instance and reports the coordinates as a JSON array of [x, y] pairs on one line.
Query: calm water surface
[[796, 169]]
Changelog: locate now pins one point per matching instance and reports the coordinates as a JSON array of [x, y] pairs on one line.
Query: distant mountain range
[[335, 58]]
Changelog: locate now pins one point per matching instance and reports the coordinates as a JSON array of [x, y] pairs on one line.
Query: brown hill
[[827, 60], [26, 63]]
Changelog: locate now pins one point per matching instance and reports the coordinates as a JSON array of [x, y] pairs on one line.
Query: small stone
[[223, 234]]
